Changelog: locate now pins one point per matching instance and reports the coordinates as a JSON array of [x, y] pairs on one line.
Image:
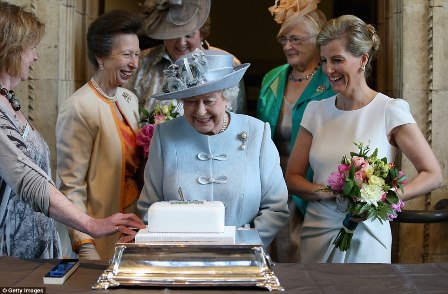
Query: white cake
[[186, 217]]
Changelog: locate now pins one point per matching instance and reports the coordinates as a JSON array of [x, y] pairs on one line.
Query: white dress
[[334, 132]]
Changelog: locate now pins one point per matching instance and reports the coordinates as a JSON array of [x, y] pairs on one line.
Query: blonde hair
[[19, 31], [361, 38]]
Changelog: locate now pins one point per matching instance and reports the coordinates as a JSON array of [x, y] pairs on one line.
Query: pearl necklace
[[307, 77], [98, 88], [225, 123]]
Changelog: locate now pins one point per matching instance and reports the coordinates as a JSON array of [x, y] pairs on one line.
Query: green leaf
[[392, 197], [348, 185], [351, 173], [356, 191], [401, 187]]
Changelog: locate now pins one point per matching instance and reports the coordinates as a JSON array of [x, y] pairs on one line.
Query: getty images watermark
[[23, 290]]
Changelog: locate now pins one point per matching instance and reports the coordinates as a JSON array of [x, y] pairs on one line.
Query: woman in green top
[[287, 89]]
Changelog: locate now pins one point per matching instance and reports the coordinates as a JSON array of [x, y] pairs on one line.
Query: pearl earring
[[363, 67]]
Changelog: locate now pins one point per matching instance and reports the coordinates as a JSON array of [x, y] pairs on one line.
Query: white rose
[[371, 194]]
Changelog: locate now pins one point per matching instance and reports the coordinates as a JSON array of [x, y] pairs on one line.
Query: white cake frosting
[[186, 217]]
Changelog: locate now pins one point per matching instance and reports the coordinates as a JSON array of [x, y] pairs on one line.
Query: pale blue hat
[[200, 72]]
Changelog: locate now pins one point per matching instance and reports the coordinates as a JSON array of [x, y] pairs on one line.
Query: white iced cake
[[186, 217], [187, 221]]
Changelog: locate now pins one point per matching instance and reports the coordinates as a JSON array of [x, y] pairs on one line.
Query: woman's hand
[[324, 193], [119, 222]]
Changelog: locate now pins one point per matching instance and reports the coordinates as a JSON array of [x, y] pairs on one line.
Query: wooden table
[[295, 278]]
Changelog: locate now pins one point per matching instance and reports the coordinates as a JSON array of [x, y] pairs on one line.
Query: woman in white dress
[[329, 128]]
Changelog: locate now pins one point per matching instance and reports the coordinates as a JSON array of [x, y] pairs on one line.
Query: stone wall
[[425, 68], [415, 68]]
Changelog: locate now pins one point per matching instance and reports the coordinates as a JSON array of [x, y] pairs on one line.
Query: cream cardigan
[[90, 164]]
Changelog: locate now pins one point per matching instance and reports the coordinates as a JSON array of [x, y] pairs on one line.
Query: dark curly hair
[[105, 27]]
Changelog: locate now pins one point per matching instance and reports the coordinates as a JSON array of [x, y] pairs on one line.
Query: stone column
[[416, 69]]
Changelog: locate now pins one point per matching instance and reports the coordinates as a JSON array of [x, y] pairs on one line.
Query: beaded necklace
[[98, 88], [24, 129], [11, 96], [305, 78]]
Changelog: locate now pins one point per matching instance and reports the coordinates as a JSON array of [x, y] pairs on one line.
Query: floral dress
[[24, 232]]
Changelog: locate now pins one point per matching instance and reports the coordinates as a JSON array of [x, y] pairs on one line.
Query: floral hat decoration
[[200, 72], [286, 12], [170, 19]]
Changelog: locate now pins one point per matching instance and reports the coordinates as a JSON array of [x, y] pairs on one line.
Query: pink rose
[[144, 137], [359, 162], [159, 118], [342, 168], [336, 181], [360, 176]]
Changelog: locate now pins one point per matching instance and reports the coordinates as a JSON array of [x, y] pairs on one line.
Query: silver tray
[[190, 265]]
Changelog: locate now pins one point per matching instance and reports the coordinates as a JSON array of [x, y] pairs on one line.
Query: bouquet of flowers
[[149, 120], [370, 186]]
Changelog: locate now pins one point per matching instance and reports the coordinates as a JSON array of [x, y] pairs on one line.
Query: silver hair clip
[[243, 138]]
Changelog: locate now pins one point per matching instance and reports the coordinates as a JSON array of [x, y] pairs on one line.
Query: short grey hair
[[314, 21], [230, 94], [361, 38]]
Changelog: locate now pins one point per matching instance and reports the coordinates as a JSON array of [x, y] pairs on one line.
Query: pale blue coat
[[248, 181]]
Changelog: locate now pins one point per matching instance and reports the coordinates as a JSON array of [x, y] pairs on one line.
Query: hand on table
[[118, 222]]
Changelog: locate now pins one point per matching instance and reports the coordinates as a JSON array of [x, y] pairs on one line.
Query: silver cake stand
[[195, 264]]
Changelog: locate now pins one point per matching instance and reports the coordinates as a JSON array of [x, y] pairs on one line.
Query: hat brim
[[227, 81], [167, 30]]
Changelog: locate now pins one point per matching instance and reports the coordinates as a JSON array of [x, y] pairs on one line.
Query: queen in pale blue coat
[[213, 154]]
